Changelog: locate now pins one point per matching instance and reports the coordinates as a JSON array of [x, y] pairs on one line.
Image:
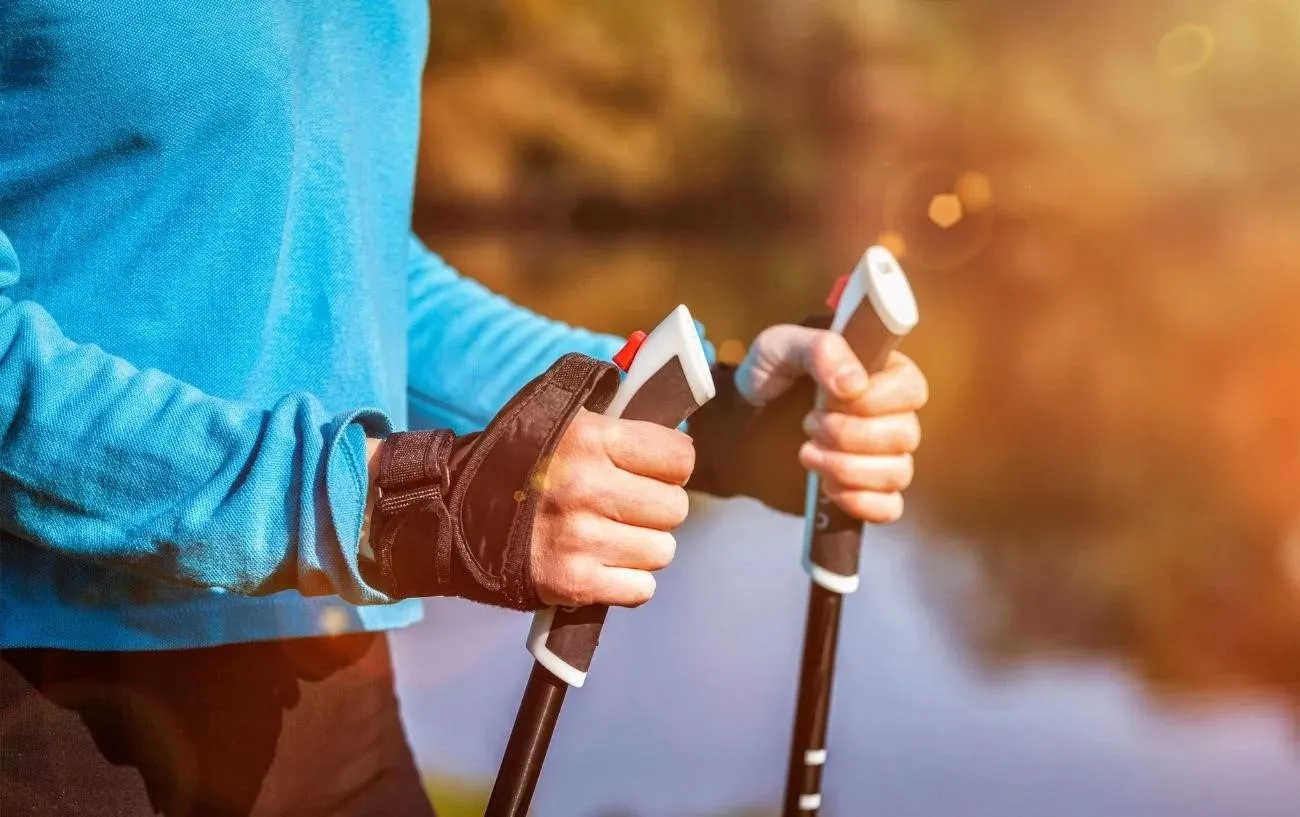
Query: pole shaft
[[812, 712], [526, 750]]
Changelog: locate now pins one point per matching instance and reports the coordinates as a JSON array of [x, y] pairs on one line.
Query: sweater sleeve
[[471, 349], [103, 461]]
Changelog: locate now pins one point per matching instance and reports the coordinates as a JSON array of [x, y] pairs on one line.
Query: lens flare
[[924, 212], [731, 352], [543, 474], [333, 620], [893, 241], [1186, 49], [974, 190], [945, 210]]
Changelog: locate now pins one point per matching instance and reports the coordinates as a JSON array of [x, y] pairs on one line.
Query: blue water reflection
[[688, 707]]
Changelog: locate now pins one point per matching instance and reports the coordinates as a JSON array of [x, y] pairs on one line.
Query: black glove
[[747, 450], [454, 516]]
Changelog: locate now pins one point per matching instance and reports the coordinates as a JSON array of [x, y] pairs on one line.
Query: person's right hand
[[611, 495]]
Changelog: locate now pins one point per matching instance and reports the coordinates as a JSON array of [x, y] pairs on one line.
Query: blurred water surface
[[687, 710]]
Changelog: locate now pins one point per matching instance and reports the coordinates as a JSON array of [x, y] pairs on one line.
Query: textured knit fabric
[[208, 292], [243, 730]]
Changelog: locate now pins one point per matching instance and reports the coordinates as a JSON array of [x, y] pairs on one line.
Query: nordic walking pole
[[667, 379], [874, 310]]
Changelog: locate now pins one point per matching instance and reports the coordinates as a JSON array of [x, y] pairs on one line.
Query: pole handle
[[874, 310], [667, 379]]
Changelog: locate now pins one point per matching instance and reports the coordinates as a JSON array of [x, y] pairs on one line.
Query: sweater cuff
[[347, 483]]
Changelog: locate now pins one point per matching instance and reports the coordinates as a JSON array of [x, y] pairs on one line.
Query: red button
[[837, 291], [623, 359]]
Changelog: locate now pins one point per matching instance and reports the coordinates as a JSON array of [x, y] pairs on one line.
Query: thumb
[[782, 354]]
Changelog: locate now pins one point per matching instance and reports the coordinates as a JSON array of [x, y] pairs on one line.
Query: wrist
[[373, 449]]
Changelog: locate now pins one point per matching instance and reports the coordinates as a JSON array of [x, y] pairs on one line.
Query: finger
[[651, 450], [826, 356], [775, 360], [869, 436], [617, 545], [898, 389], [856, 472], [640, 501], [874, 507], [624, 587]]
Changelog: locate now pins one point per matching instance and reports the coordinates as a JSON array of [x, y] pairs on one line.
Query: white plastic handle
[[876, 309], [655, 389]]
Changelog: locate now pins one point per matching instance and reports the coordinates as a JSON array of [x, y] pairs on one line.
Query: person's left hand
[[862, 440]]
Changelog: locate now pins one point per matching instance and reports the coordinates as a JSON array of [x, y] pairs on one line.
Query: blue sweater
[[209, 293]]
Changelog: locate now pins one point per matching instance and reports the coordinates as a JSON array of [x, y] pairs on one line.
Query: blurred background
[[1093, 604]]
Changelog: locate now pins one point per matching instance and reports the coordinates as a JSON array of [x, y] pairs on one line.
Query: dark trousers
[[300, 727]]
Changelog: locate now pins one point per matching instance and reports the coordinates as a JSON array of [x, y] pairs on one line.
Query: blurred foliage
[[1110, 326], [1122, 443], [547, 107]]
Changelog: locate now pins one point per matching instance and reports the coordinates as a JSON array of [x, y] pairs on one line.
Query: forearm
[[471, 349], [107, 462]]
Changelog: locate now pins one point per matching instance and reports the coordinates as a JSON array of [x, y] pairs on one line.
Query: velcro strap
[[413, 469]]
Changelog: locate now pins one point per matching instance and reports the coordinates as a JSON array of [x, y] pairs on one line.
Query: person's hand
[[862, 440], [611, 495]]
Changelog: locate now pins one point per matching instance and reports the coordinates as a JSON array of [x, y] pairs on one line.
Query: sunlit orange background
[[1098, 204]]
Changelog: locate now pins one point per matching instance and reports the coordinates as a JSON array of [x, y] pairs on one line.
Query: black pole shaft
[[526, 750], [812, 713]]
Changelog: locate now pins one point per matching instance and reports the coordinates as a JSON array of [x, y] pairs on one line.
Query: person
[[248, 419]]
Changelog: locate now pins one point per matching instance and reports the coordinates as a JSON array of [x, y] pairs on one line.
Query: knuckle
[[682, 506], [884, 509], [905, 472], [583, 532], [912, 434], [838, 468], [827, 347], [921, 389], [590, 431], [570, 492], [573, 583], [903, 436], [685, 454], [833, 430]]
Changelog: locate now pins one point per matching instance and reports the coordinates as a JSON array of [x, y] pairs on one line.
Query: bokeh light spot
[[945, 210], [1186, 49], [922, 203], [974, 190], [892, 240], [731, 352], [541, 478], [333, 620]]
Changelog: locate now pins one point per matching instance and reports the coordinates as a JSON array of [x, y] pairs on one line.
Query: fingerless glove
[[454, 514], [747, 450]]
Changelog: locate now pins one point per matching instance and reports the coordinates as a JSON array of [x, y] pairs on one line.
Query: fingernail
[[813, 455], [850, 380], [810, 424]]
